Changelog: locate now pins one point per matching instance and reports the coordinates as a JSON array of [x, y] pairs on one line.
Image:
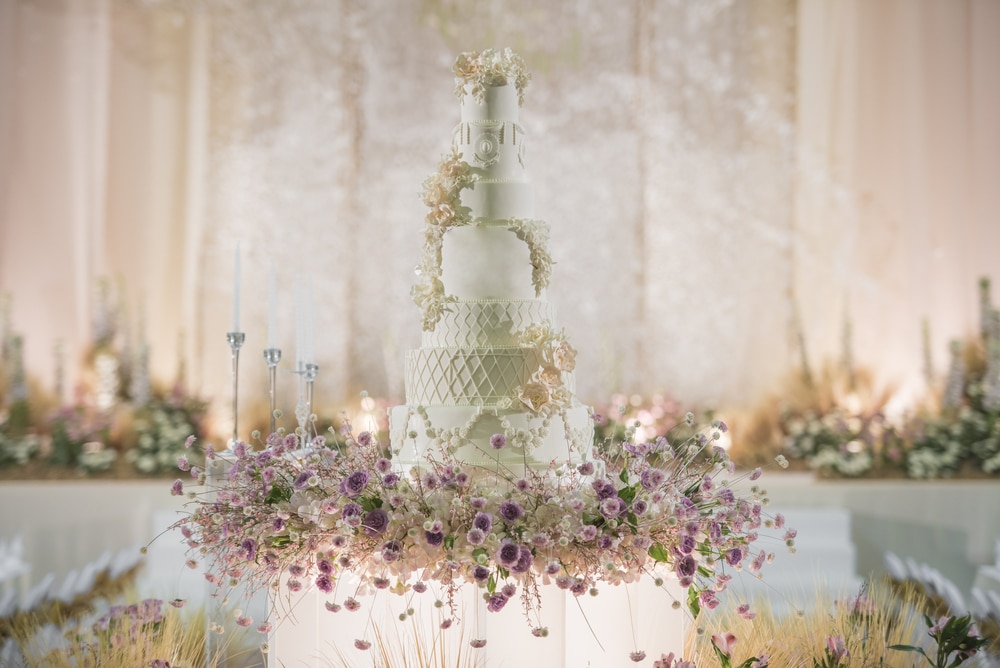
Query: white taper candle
[[272, 309], [236, 290]]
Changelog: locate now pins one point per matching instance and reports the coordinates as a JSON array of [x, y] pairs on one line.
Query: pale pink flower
[[836, 648], [724, 642]]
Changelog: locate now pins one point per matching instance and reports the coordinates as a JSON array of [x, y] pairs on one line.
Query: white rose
[[535, 396], [564, 356]]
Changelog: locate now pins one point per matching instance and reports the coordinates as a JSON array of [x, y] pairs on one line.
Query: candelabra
[[235, 340], [272, 356]]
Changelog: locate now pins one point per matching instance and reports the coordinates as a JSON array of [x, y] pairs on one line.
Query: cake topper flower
[[482, 69]]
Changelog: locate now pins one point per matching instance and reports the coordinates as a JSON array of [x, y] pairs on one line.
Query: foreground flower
[[724, 643]]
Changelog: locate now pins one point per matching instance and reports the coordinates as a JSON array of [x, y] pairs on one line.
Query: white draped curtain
[[717, 176]]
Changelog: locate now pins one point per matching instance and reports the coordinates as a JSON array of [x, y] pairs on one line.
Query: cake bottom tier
[[533, 442]]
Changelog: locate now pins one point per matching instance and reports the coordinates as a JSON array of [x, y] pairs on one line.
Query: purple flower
[[177, 489], [686, 566], [612, 507], [267, 475], [351, 514], [365, 438], [278, 525], [390, 480], [639, 506], [509, 590], [586, 468], [652, 478], [477, 502], [604, 489], [734, 556], [480, 573], [302, 479], [686, 544], [183, 464], [587, 533], [430, 481], [475, 536], [524, 561], [496, 602], [291, 441], [483, 522], [240, 450], [508, 554], [324, 583], [434, 538], [511, 511], [383, 465], [522, 485], [354, 484], [188, 441], [324, 566], [248, 547], [605, 542], [498, 441], [391, 551], [376, 521]]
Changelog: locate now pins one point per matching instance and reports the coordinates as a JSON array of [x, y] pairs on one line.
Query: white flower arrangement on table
[[655, 510], [483, 69]]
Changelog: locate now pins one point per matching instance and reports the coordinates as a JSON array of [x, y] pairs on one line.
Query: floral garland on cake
[[310, 510], [535, 233], [480, 70], [442, 195]]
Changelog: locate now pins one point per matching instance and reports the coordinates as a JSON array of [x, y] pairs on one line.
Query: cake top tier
[[478, 71]]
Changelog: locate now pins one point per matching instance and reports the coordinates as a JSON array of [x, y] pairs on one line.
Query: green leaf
[[623, 476], [449, 541], [491, 584], [370, 503], [478, 555], [659, 553], [694, 605], [627, 494], [278, 494]]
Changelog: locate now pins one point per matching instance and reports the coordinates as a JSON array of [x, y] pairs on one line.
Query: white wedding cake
[[493, 379]]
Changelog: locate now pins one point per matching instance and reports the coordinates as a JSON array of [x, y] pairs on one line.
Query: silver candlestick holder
[[303, 410], [272, 356], [235, 340]]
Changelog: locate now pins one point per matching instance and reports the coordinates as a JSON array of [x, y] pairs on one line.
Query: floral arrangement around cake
[[310, 509]]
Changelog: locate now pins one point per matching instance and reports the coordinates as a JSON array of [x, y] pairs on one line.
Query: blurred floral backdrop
[[729, 184]]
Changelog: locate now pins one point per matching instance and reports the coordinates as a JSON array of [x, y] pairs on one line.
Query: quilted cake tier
[[487, 323], [470, 376]]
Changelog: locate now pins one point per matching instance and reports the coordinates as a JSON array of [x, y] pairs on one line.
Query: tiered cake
[[493, 379]]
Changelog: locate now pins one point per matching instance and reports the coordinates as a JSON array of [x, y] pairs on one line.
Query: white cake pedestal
[[599, 631]]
